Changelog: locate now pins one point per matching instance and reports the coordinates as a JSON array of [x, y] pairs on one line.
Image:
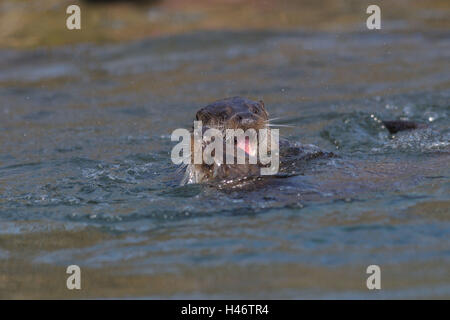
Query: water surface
[[86, 176]]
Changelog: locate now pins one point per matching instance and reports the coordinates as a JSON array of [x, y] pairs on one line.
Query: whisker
[[277, 118], [268, 120], [281, 125]]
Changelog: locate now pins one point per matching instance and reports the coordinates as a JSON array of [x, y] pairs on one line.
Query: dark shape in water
[[400, 125]]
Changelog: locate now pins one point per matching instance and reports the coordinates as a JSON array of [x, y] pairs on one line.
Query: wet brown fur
[[229, 113]]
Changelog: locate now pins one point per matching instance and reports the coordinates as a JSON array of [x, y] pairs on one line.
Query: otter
[[242, 113]]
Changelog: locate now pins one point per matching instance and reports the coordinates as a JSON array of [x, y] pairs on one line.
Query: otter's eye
[[255, 110]]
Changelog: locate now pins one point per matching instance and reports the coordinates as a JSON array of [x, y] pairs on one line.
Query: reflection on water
[[86, 176]]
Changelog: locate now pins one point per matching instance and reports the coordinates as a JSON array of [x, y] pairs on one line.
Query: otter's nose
[[245, 119]]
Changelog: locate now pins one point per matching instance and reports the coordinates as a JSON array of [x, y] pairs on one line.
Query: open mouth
[[248, 146]]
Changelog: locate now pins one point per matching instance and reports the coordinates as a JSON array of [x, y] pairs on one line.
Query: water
[[86, 177]]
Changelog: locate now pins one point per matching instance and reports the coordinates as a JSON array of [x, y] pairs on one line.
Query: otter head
[[234, 113], [230, 113]]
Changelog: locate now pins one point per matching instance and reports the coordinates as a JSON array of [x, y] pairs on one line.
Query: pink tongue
[[246, 146]]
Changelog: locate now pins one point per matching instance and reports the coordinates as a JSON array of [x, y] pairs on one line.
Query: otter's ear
[[200, 114], [261, 104]]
